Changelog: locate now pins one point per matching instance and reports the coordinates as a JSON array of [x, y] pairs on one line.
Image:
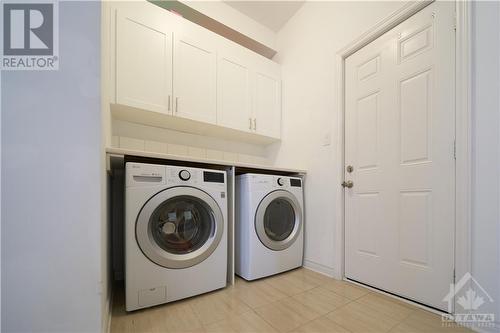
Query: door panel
[[194, 78], [140, 83], [233, 91], [415, 228], [267, 105], [415, 96], [367, 131], [367, 221], [400, 132]]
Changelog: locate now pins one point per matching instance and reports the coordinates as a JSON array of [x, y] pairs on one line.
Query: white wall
[[140, 137], [486, 151], [234, 19], [51, 199], [0, 198], [306, 49]]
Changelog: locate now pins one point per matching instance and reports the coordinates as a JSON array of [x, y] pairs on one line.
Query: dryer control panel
[[287, 181]]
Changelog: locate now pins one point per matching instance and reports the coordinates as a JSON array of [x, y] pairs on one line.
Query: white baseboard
[[319, 268], [106, 326]]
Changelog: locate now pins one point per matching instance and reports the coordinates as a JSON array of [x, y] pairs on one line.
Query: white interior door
[[143, 60], [399, 139], [194, 77]]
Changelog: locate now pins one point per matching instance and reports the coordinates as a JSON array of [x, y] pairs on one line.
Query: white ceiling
[[272, 14]]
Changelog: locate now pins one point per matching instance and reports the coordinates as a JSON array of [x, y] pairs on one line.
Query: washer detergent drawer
[[152, 296]]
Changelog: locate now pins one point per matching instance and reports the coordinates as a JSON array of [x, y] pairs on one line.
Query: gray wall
[[486, 151], [51, 187]]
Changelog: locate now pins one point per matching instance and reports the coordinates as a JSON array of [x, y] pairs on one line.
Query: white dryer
[[175, 233], [269, 237]]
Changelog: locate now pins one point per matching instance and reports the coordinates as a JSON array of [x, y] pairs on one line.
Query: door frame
[[463, 125]]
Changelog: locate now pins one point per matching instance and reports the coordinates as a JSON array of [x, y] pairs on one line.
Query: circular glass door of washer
[[182, 225], [179, 227]]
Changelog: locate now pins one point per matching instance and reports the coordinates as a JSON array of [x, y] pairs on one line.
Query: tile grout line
[[306, 284], [350, 300], [292, 297]]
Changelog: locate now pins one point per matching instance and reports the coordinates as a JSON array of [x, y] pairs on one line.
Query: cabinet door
[[233, 94], [267, 105], [143, 60], [194, 78]]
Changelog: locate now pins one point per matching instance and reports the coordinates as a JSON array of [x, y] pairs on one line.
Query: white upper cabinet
[[234, 109], [143, 60], [267, 105], [195, 62], [248, 92], [162, 64]]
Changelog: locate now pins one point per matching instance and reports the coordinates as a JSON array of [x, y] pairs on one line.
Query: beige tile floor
[[296, 301]]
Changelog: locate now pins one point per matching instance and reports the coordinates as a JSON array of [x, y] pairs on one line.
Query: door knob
[[347, 184]]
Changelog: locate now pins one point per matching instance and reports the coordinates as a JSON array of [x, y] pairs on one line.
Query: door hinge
[[454, 276], [455, 149], [455, 22]]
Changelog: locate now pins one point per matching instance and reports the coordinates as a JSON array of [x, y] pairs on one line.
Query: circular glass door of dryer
[[179, 227], [278, 220]]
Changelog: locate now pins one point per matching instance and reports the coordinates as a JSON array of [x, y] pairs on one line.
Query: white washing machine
[[175, 233], [269, 237]]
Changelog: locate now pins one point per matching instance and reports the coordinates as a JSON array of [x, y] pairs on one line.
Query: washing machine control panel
[[184, 175], [147, 175], [195, 177], [280, 181]]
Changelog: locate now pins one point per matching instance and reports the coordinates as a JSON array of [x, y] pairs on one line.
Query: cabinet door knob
[[249, 123], [176, 104], [254, 124]]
